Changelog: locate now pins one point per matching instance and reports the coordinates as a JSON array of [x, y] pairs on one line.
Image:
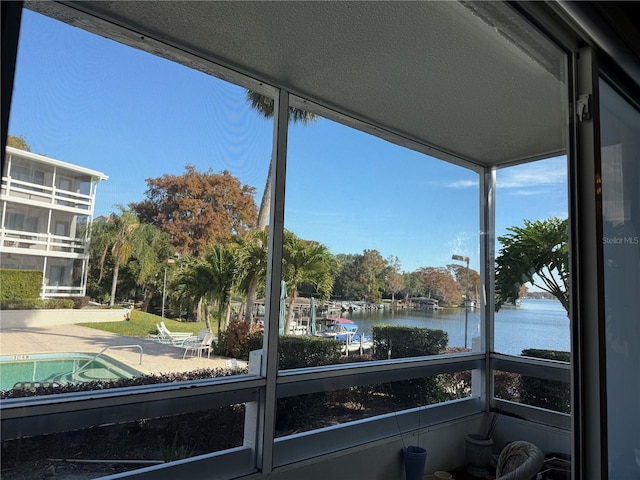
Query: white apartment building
[[47, 206]]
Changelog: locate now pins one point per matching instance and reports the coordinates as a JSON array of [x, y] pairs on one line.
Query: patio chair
[[156, 337], [204, 341], [171, 338]]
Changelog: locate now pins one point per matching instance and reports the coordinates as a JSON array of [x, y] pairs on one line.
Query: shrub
[[403, 342], [174, 450], [80, 302], [23, 304], [254, 342], [19, 285], [151, 379], [456, 384], [233, 340], [540, 392], [301, 351], [294, 351], [506, 385], [358, 397], [299, 411], [36, 303], [58, 303]]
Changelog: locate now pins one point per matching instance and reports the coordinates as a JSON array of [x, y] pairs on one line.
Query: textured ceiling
[[433, 72]]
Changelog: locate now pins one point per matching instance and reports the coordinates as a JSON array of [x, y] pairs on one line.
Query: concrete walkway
[[156, 358]]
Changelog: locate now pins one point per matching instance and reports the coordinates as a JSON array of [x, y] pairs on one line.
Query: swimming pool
[[61, 368]]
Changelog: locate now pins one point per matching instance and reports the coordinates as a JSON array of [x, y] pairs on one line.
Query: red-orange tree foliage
[[198, 209], [440, 284]]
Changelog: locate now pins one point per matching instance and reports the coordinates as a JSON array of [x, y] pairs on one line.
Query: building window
[[22, 222], [27, 174], [61, 229], [56, 275], [64, 183]]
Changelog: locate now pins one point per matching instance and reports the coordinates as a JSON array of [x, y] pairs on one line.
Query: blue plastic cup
[[415, 459]]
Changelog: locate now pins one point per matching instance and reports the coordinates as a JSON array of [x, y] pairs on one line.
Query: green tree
[[413, 285], [116, 237], [373, 274], [19, 142], [190, 284], [152, 249], [347, 284], [305, 261], [395, 279], [537, 253], [198, 209], [223, 268], [362, 276], [99, 270], [207, 280], [250, 251]]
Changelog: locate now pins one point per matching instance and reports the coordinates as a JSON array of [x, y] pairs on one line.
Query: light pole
[[462, 258], [164, 283]]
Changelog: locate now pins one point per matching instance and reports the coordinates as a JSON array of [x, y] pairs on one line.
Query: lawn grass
[[142, 324]]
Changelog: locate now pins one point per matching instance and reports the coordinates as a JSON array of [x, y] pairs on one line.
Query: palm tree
[[208, 279], [192, 286], [250, 251], [305, 261], [115, 236], [223, 268], [151, 249], [265, 107]]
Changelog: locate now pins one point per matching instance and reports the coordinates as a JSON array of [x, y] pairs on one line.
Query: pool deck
[[156, 358]]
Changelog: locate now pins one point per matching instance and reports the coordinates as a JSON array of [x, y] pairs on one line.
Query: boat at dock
[[425, 303], [329, 309], [346, 332]]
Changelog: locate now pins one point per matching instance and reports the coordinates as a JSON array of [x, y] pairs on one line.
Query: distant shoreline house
[[47, 206]]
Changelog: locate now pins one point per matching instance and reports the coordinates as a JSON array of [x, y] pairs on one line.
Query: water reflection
[[541, 324]]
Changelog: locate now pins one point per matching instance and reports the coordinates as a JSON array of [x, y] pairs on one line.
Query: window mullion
[[482, 383], [587, 279], [265, 427]]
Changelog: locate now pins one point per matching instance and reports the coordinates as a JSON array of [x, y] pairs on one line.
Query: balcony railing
[[20, 190], [51, 291], [38, 243]]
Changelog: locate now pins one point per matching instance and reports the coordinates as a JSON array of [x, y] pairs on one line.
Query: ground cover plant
[[141, 324]]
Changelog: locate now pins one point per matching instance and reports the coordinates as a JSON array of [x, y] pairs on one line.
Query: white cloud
[[522, 192], [532, 174], [536, 174], [463, 184]]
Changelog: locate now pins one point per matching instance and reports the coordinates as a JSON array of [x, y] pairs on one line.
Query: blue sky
[[89, 101]]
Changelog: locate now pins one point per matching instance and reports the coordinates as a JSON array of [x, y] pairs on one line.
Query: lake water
[[535, 324]]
